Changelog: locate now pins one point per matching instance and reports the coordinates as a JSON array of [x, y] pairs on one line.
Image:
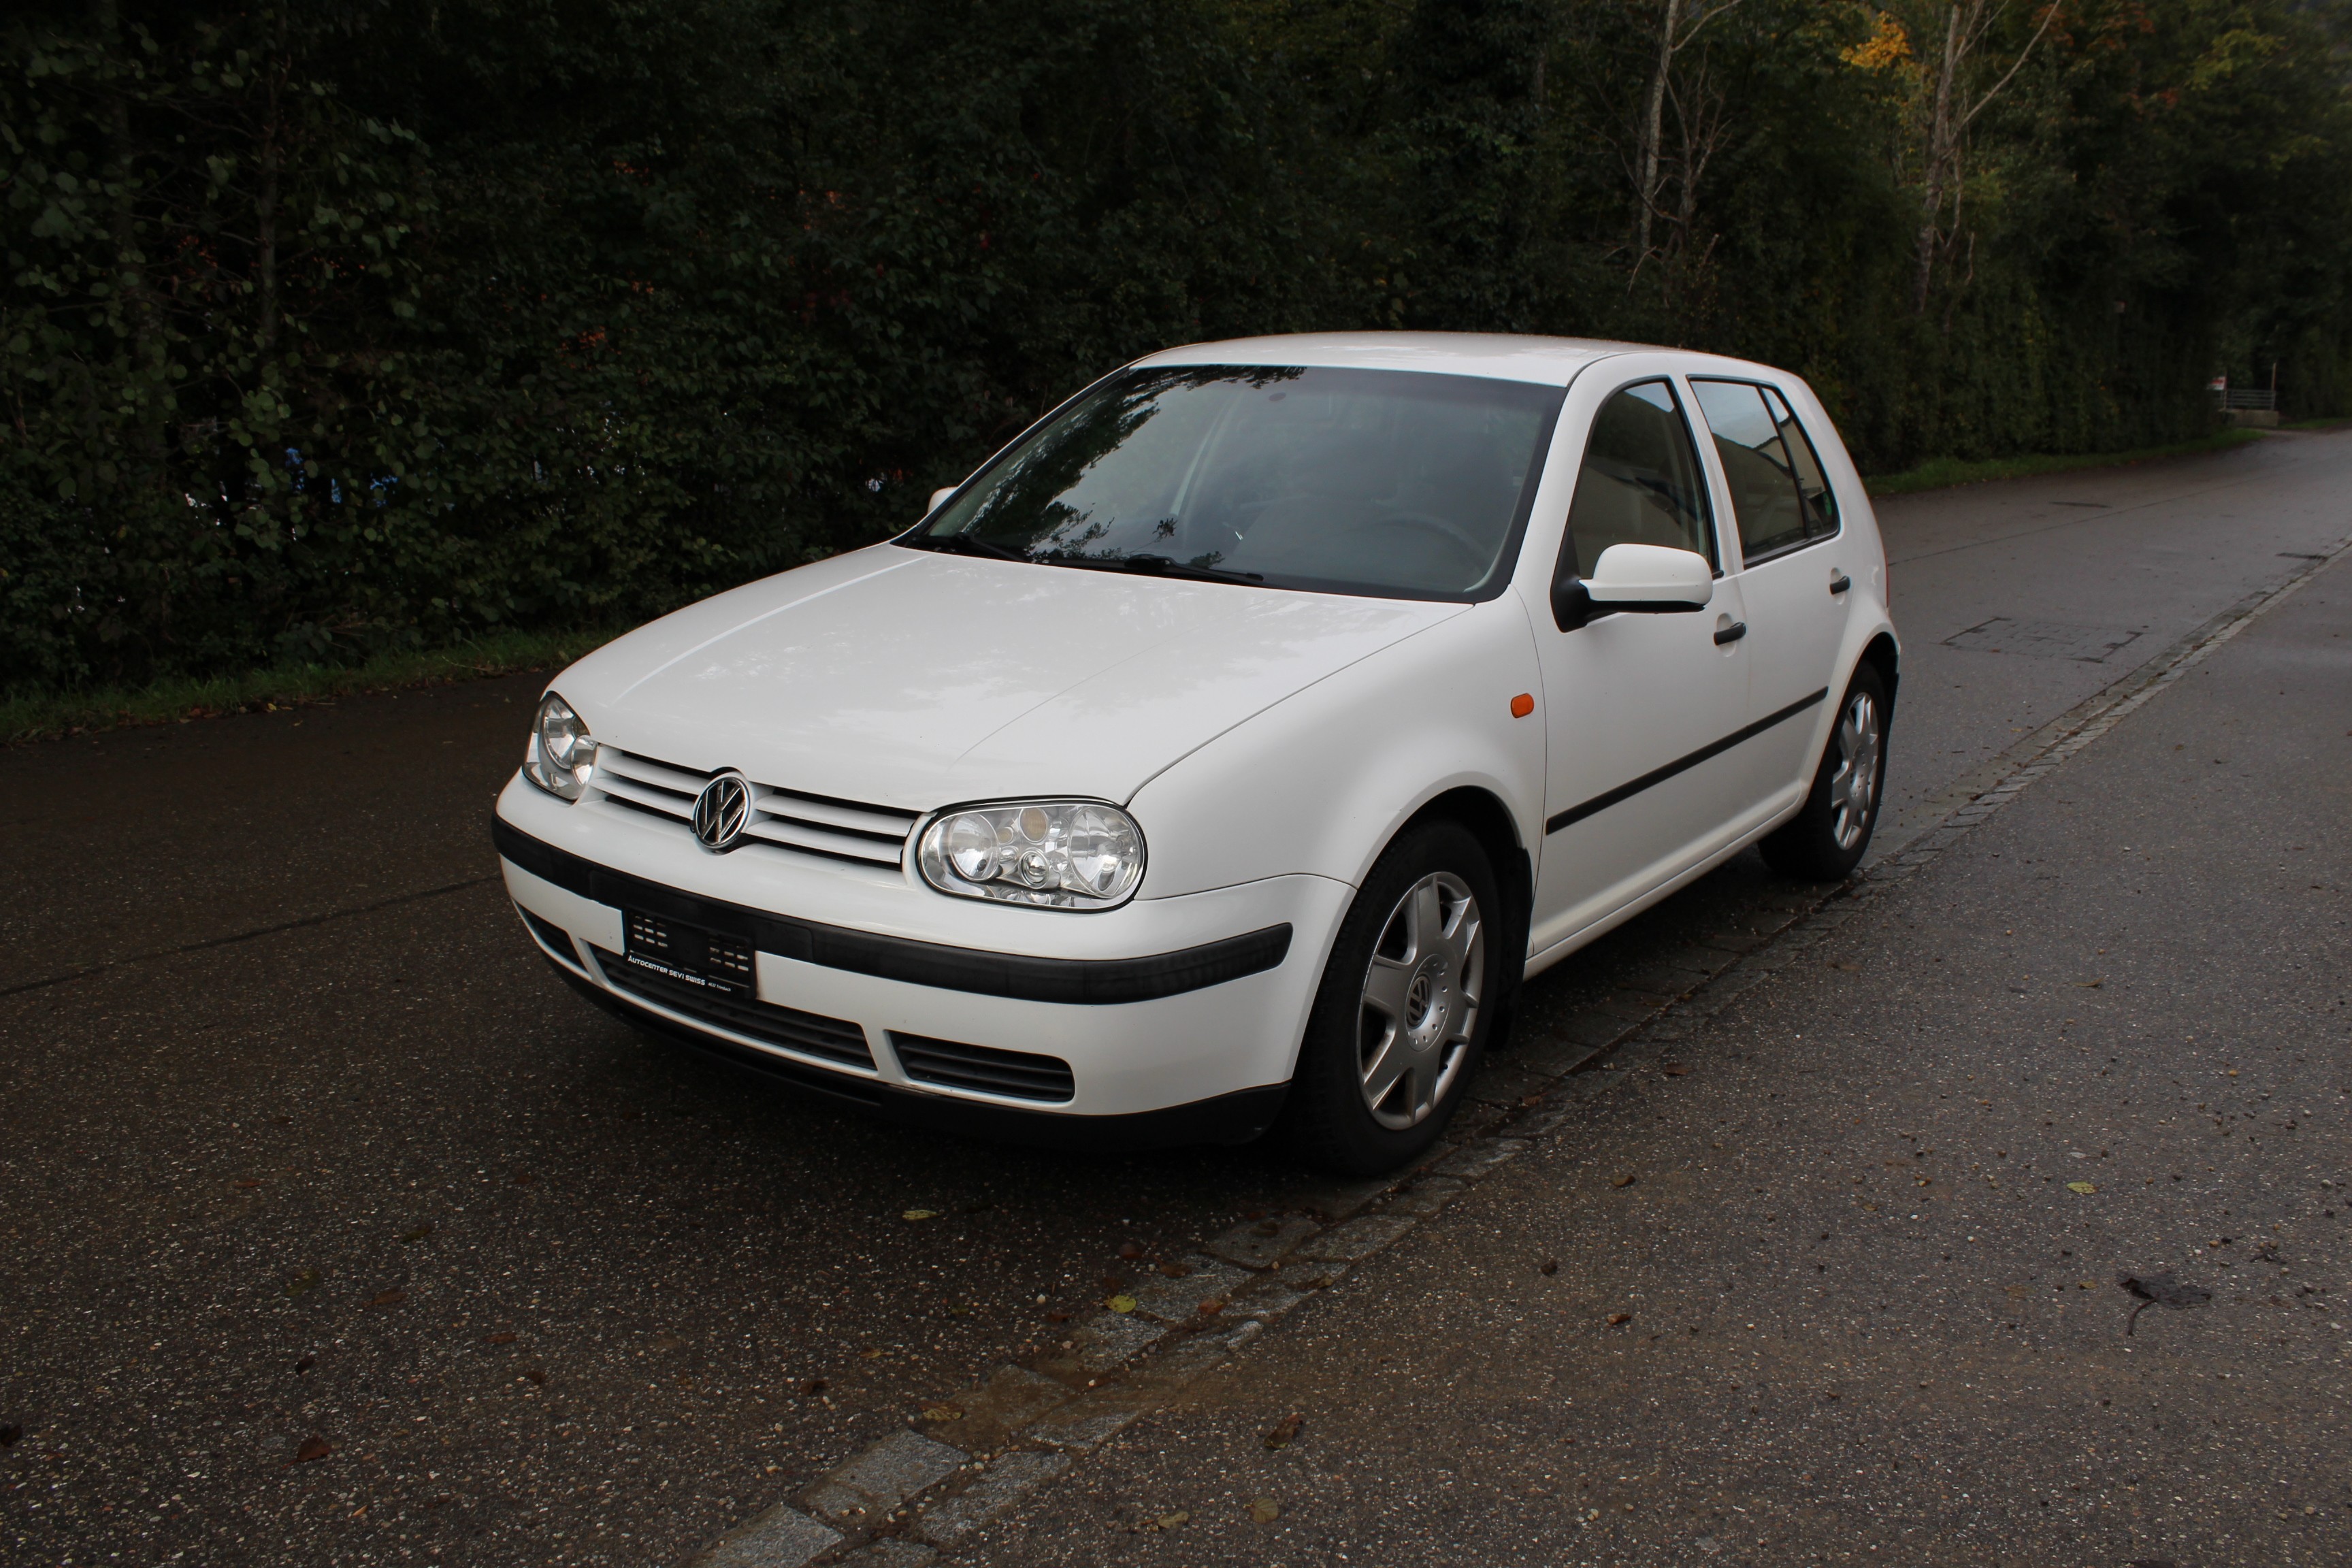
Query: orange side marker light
[[1522, 705]]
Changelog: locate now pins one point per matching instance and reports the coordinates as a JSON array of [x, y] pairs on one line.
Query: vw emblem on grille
[[721, 810]]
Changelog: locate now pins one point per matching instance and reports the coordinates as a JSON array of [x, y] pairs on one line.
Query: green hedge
[[338, 331]]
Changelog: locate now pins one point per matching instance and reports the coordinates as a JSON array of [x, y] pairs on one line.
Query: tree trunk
[[264, 204], [1651, 129], [1940, 132]]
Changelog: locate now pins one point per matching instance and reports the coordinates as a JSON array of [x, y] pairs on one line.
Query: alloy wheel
[[1854, 787], [1420, 1001]]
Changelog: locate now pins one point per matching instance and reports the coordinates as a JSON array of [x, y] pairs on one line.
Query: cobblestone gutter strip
[[904, 1501]]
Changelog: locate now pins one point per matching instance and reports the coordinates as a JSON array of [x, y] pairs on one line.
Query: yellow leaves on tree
[[1888, 46]]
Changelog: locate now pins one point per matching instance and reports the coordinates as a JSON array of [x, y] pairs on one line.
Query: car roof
[[1550, 361]]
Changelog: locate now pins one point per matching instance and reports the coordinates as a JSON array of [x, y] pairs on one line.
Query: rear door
[[1634, 701], [1792, 573]]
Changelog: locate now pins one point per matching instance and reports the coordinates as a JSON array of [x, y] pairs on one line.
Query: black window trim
[[1777, 550], [1568, 518]]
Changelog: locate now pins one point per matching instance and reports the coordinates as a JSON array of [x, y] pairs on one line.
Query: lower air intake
[[833, 1039], [1015, 1074]]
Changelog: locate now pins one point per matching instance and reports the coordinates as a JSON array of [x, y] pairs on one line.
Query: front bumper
[[1168, 1038]]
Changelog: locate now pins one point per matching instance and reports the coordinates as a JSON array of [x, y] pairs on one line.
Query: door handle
[[1840, 581], [1731, 633]]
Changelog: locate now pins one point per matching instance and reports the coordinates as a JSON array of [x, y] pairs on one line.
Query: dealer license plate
[[691, 955]]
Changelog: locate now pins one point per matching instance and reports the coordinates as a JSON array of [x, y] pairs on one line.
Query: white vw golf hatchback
[[1226, 750]]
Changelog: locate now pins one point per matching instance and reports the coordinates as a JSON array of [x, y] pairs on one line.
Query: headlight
[[1057, 854], [561, 756]]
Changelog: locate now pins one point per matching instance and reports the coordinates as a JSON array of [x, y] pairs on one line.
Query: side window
[[1640, 483], [1756, 463], [1813, 486]]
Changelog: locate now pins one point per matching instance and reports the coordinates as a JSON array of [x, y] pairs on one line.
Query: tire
[[1825, 840], [1409, 998]]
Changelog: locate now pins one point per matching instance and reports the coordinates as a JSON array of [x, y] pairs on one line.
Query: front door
[[1637, 704]]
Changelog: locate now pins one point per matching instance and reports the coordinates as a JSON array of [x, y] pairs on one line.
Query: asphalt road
[[299, 1139], [1859, 1301]]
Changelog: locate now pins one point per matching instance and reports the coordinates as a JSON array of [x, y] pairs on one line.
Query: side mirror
[[1641, 577], [936, 496]]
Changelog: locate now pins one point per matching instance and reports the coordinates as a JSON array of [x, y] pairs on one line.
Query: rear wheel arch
[[1883, 655]]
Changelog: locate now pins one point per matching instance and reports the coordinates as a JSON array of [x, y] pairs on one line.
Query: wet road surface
[[301, 1145]]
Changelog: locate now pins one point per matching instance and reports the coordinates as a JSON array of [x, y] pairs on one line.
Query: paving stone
[[878, 1480], [1558, 1055], [1011, 1398], [1331, 1200], [1269, 1298], [891, 1553], [779, 1538], [1002, 1485], [1312, 1274], [1427, 1196], [1108, 1338], [1085, 1423], [1178, 1300], [1469, 1164], [1358, 1238], [1263, 1243]]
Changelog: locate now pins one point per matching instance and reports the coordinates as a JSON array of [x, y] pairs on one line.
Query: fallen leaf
[[305, 1280], [2084, 1187], [538, 1376], [502, 1338], [1624, 1181], [1848, 968], [941, 1413], [2019, 1291], [1283, 1431], [1171, 1520], [304, 1364], [391, 1298], [1121, 1303], [1175, 1270], [1676, 1069], [920, 1214], [1617, 1318], [314, 1448], [419, 1233], [1131, 1251], [1057, 1317], [871, 1355], [1211, 1308], [1264, 1510], [248, 1184], [812, 1387], [1548, 1266]]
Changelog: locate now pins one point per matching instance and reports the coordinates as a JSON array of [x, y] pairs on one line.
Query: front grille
[[835, 1039], [790, 820], [1015, 1073]]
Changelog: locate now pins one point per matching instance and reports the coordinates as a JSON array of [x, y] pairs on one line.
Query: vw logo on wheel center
[[721, 810]]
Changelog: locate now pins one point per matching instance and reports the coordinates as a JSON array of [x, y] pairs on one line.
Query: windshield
[[1396, 483]]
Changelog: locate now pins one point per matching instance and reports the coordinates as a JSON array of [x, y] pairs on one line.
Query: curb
[[899, 1502]]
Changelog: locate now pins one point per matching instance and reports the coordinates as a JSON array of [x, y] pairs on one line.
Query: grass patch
[[1942, 472], [2333, 421], [40, 717]]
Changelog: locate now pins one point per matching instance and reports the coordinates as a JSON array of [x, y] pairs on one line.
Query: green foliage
[[333, 331]]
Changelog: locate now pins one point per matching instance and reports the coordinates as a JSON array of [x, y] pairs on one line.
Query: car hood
[[913, 679]]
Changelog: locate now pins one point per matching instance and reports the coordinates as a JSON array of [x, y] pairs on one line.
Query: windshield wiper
[[1149, 566], [968, 544]]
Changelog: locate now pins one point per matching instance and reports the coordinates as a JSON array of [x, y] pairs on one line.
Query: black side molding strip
[[1093, 981], [1625, 792]]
